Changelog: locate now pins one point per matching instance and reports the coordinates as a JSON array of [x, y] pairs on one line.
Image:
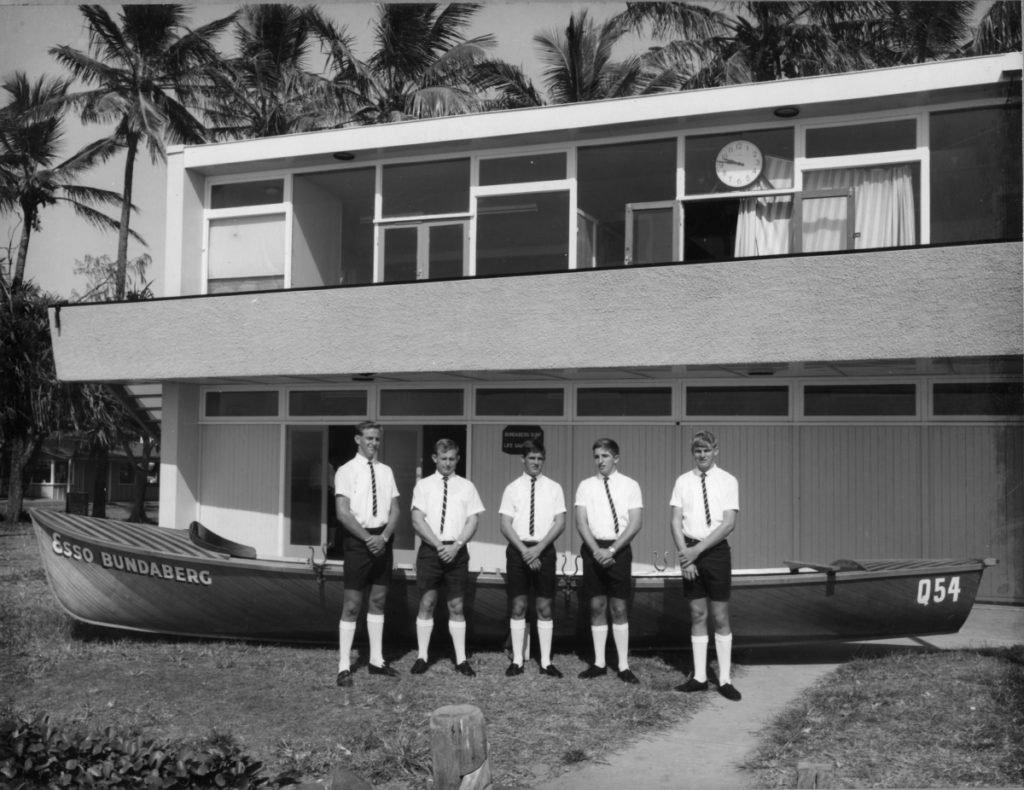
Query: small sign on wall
[[513, 436]]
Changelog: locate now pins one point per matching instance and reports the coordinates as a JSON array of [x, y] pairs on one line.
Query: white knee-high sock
[[620, 633], [375, 628], [346, 635], [424, 628], [599, 633], [723, 649], [700, 657], [518, 628], [457, 628], [545, 632]]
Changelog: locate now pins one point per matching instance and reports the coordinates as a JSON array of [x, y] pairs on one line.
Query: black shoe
[[385, 669], [693, 685], [513, 670], [344, 678], [628, 677], [593, 672], [419, 667], [465, 669], [728, 690], [551, 671]]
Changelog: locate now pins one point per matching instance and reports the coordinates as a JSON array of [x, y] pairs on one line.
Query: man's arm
[[447, 553], [603, 556], [676, 528], [343, 510], [688, 555]]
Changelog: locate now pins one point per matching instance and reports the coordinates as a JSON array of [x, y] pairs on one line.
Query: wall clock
[[739, 163]]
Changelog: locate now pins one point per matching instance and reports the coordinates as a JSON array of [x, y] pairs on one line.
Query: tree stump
[[820, 775], [458, 743]]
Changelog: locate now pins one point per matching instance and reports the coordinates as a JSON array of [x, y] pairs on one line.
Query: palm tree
[[578, 62], [145, 68], [267, 89], [917, 32], [31, 177], [421, 67], [998, 31]]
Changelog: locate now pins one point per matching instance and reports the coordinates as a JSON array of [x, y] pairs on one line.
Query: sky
[[29, 30]]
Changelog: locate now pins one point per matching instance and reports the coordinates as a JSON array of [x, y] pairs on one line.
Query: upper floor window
[[424, 188], [247, 193]]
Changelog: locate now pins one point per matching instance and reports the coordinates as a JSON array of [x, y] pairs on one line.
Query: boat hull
[[156, 580]]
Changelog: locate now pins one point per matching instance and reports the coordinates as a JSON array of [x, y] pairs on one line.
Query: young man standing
[[366, 503], [532, 517], [705, 502], [609, 513], [445, 512]]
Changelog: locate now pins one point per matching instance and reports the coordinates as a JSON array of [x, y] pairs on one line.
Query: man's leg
[[545, 630], [599, 627], [351, 604], [723, 640], [457, 628], [517, 625], [375, 622], [699, 638], [425, 623], [620, 630]]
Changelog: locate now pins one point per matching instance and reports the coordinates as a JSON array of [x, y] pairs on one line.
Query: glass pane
[[246, 247], [652, 235], [447, 250], [609, 177], [523, 234], [826, 223], [426, 188], [247, 403], [520, 402], [721, 230], [327, 403], [247, 193], [400, 254], [332, 231], [865, 138], [860, 400], [624, 402], [520, 169], [983, 399], [737, 401], [306, 475], [413, 403], [976, 174], [885, 201], [703, 152]]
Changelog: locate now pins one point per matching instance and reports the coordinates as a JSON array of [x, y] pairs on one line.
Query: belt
[[604, 543], [530, 543], [375, 530], [447, 542]]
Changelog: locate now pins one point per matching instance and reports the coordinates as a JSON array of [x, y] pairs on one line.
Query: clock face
[[739, 164]]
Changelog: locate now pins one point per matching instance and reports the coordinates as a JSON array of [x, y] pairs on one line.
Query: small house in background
[[827, 272]]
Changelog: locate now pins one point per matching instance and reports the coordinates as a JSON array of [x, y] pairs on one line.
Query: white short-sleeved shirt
[[353, 480], [548, 502], [625, 494], [463, 502], [723, 495]]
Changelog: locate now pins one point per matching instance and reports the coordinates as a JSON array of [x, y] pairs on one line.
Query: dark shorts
[[616, 581], [362, 568], [520, 580], [431, 573], [714, 574]]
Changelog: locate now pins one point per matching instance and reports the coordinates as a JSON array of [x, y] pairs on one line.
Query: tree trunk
[[140, 481], [101, 471], [121, 276], [28, 220], [22, 453]]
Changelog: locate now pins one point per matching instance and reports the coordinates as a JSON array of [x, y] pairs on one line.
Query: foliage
[[31, 177], [422, 65], [267, 88], [36, 752], [147, 71], [100, 278]]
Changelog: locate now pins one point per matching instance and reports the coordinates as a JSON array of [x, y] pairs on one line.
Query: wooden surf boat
[[193, 583]]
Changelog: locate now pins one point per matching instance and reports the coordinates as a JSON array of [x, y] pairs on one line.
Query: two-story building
[[827, 272]]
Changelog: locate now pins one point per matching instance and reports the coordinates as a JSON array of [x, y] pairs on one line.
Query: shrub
[[37, 753]]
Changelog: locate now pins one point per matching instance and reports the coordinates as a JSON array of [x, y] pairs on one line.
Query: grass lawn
[[953, 718], [281, 704]]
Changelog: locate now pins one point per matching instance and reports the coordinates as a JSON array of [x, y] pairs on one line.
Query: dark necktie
[[533, 490], [373, 485], [444, 503], [615, 516], [704, 491]]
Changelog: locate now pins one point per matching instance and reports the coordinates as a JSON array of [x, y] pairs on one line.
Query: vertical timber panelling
[[493, 470], [239, 484], [976, 477], [761, 459], [859, 492], [650, 455]]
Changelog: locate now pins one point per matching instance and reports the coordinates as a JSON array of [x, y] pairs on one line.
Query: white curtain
[[883, 197]]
